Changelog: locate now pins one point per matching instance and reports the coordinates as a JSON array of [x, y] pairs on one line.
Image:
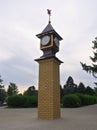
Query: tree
[[12, 89], [81, 88], [89, 91], [61, 92], [92, 69], [31, 91], [1, 80], [70, 86], [2, 92], [95, 90], [70, 82]]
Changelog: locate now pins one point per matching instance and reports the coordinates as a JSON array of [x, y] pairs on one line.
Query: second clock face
[[56, 41], [45, 40]]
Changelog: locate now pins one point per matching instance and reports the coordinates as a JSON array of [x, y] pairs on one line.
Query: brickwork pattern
[[49, 89]]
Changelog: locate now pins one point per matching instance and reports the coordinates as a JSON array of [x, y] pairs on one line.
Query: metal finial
[[49, 13]]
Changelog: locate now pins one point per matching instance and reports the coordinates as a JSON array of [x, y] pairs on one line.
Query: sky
[[20, 20]]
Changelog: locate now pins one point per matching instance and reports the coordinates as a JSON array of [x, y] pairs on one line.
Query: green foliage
[[95, 90], [81, 88], [92, 69], [31, 91], [2, 92], [89, 91], [1, 80], [82, 99], [2, 96], [19, 101], [70, 86], [12, 89], [15, 101], [71, 101], [77, 100], [89, 100]]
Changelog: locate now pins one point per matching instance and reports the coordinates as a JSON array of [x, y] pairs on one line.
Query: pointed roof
[[48, 30]]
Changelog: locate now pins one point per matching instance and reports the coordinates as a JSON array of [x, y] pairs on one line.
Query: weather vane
[[49, 13]]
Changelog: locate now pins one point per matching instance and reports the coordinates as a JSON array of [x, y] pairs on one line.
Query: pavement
[[84, 118]]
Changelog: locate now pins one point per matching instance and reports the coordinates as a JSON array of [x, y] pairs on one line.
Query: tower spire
[[49, 13]]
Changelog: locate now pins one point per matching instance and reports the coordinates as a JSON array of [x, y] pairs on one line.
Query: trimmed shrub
[[19, 101], [30, 101], [71, 100], [87, 99], [78, 100], [82, 98], [15, 101]]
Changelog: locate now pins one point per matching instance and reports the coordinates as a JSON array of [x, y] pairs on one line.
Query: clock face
[[56, 41], [45, 40]]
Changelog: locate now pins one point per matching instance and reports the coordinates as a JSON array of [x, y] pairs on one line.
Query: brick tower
[[49, 74]]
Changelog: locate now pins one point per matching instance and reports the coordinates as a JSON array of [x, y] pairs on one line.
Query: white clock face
[[56, 41], [45, 40]]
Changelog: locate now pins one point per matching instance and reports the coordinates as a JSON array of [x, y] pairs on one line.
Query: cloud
[[20, 21], [5, 55]]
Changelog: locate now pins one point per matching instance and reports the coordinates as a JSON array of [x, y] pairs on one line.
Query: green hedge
[[77, 100], [19, 101], [87, 99], [71, 101]]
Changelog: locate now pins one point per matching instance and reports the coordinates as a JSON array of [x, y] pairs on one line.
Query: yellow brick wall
[[49, 89]]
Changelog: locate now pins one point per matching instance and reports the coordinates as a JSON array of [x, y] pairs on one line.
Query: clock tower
[[49, 73]]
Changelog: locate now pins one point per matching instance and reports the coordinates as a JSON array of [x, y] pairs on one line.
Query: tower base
[[49, 88]]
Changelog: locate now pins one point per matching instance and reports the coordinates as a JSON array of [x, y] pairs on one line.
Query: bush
[[14, 101], [30, 101], [77, 100], [71, 100], [19, 101], [87, 99], [82, 98]]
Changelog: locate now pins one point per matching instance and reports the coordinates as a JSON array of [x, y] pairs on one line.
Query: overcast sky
[[21, 20]]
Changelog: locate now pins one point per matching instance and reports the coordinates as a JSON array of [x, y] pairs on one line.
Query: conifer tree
[[12, 89], [92, 69], [2, 92]]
